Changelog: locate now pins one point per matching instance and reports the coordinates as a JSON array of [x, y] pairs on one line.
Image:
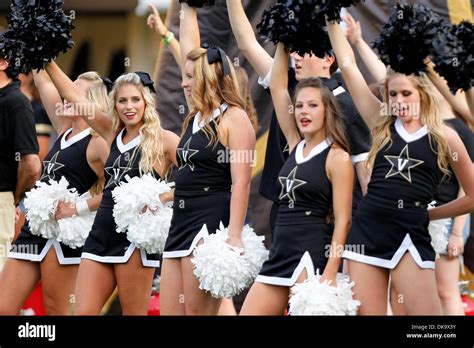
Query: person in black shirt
[[20, 166]]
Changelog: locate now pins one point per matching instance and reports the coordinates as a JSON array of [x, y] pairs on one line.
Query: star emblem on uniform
[[289, 184], [402, 164], [185, 154], [116, 173], [50, 167]]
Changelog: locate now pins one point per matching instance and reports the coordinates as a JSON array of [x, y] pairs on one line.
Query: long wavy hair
[[333, 122], [151, 144], [210, 88], [429, 115]]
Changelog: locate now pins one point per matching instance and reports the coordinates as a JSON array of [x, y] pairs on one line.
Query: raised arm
[[367, 104], [464, 170], [154, 22], [457, 101], [377, 69], [188, 31], [281, 97], [260, 60], [98, 120], [51, 101]]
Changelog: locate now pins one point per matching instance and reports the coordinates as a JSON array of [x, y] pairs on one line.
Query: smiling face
[[404, 98], [309, 111], [130, 105], [188, 79]]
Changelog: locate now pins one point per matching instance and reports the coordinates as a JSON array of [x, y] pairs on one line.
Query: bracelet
[[82, 207], [168, 38]]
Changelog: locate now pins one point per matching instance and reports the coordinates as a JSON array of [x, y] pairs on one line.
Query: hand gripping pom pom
[[38, 30], [41, 203], [406, 39], [139, 212], [453, 56], [74, 231], [315, 298], [224, 271]]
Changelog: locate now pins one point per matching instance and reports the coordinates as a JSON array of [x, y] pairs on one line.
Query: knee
[[57, 305], [447, 292]]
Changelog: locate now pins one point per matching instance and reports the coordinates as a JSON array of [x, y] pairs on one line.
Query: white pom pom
[[74, 231], [224, 271], [439, 234], [139, 212], [315, 298], [41, 203]]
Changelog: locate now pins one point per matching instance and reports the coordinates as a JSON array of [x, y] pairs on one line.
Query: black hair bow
[[108, 83], [146, 80], [217, 54]]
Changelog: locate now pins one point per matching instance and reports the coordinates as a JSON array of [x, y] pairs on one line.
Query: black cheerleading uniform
[[302, 234], [202, 189], [104, 244], [357, 132], [67, 158], [393, 218]]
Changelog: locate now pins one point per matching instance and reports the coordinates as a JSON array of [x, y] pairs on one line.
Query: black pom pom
[[299, 25], [38, 30], [406, 39], [199, 3], [453, 56], [333, 8]]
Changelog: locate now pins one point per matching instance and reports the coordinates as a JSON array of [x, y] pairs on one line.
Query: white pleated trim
[[39, 257], [360, 157], [74, 139], [305, 263], [203, 233], [122, 259], [407, 245], [130, 145], [409, 137], [314, 151], [197, 124]]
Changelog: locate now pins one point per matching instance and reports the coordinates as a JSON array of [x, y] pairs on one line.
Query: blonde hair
[[151, 144], [210, 88], [97, 93], [429, 115], [333, 121]]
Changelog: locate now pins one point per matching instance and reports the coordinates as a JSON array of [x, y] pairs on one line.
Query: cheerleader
[[78, 156], [409, 157], [209, 189], [138, 145], [315, 181]]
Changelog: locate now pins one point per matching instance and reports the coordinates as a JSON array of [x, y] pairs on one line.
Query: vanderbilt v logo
[[50, 167], [289, 184], [116, 173], [402, 163], [185, 156]]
